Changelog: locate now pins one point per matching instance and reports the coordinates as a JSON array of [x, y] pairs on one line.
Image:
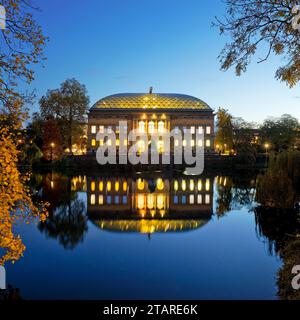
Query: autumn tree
[[21, 47], [261, 25], [69, 105], [224, 136]]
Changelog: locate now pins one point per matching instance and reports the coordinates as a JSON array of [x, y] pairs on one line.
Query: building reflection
[[149, 205]]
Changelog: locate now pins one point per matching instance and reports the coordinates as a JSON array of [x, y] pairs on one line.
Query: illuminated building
[[151, 113]]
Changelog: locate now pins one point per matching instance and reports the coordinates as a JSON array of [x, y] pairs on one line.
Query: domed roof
[[151, 101]]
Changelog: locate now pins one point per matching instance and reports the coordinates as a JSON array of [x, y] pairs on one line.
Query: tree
[[21, 47], [245, 141], [52, 140], [224, 136], [69, 105], [281, 133], [265, 24]]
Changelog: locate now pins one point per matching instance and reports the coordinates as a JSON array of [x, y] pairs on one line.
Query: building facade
[[152, 113]]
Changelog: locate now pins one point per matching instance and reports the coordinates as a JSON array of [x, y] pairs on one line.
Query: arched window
[[151, 127], [142, 126], [161, 127]]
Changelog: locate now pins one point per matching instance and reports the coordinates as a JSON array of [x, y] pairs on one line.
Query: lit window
[[208, 130], [93, 143], [160, 146], [192, 199], [207, 185], [117, 142], [93, 199], [124, 200], [117, 199], [117, 186], [142, 126], [207, 199], [93, 129], [151, 127], [193, 130], [141, 184], [183, 200], [183, 185], [160, 202], [192, 143], [108, 199], [184, 143], [160, 184], [150, 201], [101, 129], [93, 186], [200, 130], [208, 143], [141, 145], [141, 202], [101, 142], [199, 185], [161, 127], [101, 186], [175, 199], [125, 186], [101, 200], [192, 185], [176, 185], [199, 199], [108, 186]]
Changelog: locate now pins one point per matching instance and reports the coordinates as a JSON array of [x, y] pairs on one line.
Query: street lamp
[[52, 146], [267, 146]]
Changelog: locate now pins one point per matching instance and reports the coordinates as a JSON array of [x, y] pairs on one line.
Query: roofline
[[149, 110]]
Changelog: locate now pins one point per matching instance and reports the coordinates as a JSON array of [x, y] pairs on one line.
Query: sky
[[116, 46]]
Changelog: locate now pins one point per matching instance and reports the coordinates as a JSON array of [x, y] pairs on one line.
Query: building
[[151, 113], [150, 205]]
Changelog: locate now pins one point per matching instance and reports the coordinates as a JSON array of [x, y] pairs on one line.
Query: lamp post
[[267, 146], [52, 146]]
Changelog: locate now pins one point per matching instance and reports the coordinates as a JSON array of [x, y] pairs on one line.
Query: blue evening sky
[[115, 46]]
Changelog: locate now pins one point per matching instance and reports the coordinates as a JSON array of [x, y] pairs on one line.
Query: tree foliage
[[224, 136], [281, 132], [21, 47], [69, 105], [15, 199], [261, 24]]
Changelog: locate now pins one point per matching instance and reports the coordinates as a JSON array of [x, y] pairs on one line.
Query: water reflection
[[164, 204], [149, 205], [67, 221]]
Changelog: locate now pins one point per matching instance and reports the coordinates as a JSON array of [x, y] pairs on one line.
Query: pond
[[163, 237]]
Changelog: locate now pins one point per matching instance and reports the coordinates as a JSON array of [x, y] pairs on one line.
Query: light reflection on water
[[160, 237]]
